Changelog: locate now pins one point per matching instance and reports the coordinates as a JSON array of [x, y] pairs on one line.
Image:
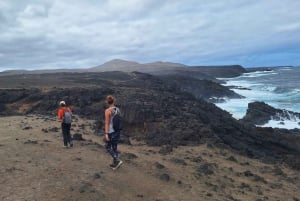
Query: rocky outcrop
[[206, 89], [221, 71], [259, 113], [259, 69]]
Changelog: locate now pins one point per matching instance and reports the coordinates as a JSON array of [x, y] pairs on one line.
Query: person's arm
[[107, 122], [60, 114]]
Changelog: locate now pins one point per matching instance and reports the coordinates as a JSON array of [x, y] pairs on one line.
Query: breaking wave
[[279, 88]]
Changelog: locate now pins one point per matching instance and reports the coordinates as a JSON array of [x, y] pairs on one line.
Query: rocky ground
[[35, 166]]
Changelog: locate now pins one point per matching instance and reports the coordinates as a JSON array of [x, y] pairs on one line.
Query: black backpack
[[116, 119]]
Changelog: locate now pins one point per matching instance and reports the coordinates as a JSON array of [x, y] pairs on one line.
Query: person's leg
[[69, 139], [64, 132], [108, 146], [117, 162], [115, 151], [115, 141]]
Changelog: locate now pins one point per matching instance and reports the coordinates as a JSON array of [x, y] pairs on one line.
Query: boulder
[[260, 113]]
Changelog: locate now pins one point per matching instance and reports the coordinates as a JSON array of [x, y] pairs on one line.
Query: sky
[[47, 34]]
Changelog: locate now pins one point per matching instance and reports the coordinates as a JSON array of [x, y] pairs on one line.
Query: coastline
[[249, 86]]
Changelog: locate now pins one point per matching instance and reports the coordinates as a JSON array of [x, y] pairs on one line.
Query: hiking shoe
[[65, 147], [71, 145], [119, 163], [114, 164]]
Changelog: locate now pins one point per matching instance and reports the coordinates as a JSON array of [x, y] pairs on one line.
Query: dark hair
[[110, 99]]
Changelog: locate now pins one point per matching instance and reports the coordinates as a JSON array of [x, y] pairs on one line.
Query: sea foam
[[272, 87], [287, 124]]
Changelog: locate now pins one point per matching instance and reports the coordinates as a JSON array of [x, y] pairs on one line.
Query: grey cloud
[[86, 33], [2, 18], [34, 10]]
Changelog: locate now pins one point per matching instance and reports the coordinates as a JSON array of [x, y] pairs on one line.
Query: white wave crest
[[282, 124], [258, 74], [286, 119]]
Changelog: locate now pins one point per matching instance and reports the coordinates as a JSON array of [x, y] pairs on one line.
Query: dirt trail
[[35, 166]]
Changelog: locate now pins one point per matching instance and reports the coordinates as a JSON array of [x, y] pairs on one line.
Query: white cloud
[[86, 33]]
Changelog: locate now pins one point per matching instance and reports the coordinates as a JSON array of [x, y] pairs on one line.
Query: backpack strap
[[66, 109], [114, 111]]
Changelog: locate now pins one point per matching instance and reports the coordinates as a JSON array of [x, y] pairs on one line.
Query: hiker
[[65, 116], [112, 134]]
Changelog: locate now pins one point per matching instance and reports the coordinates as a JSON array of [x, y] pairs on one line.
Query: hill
[[169, 68], [155, 68], [130, 66]]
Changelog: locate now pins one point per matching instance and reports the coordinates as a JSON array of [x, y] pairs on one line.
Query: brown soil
[[35, 166]]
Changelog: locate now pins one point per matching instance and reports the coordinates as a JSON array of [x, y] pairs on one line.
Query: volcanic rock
[[259, 113]]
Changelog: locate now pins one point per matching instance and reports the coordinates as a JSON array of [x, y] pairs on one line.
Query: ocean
[[279, 88]]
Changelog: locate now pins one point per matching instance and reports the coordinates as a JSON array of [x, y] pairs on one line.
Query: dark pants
[[66, 133], [112, 145]]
